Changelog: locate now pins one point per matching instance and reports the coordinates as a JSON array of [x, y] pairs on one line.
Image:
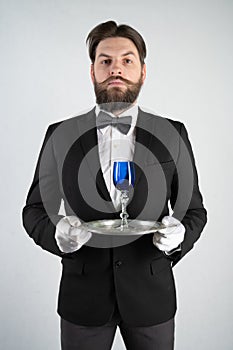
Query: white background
[[44, 73]]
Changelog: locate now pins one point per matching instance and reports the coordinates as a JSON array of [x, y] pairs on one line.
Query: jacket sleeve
[[40, 214], [186, 199]]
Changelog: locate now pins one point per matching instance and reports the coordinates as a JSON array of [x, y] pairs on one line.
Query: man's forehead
[[117, 44]]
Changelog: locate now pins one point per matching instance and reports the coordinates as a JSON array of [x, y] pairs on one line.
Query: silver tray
[[113, 227]]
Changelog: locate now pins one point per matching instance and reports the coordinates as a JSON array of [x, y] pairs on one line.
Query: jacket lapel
[[144, 131], [89, 144]]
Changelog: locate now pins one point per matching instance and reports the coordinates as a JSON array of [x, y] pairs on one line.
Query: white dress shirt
[[115, 146]]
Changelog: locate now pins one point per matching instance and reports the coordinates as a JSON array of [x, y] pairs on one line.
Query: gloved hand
[[169, 238], [69, 236]]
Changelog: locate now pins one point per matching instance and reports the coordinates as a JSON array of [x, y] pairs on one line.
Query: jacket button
[[118, 263]]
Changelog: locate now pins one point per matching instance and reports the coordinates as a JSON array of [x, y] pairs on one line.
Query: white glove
[[69, 236], [169, 238]]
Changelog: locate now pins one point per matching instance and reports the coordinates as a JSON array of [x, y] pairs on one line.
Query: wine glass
[[124, 179]]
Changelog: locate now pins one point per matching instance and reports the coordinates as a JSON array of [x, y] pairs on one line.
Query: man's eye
[[128, 60], [108, 61]]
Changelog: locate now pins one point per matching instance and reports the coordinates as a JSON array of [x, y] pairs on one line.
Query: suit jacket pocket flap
[[158, 265], [71, 265]]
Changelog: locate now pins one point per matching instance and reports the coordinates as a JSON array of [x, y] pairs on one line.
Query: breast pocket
[[160, 174], [165, 164]]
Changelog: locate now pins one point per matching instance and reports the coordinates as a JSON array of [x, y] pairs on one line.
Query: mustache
[[116, 78]]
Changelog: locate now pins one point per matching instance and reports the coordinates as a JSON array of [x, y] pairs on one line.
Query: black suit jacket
[[132, 272]]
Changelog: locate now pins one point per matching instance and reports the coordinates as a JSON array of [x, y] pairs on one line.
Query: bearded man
[[116, 281]]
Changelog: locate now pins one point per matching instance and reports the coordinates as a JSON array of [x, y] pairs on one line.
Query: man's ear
[[92, 73], [143, 72]]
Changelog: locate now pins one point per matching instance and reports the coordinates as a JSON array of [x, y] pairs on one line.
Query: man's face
[[117, 73]]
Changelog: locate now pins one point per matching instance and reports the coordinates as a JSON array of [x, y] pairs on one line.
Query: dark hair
[[111, 30]]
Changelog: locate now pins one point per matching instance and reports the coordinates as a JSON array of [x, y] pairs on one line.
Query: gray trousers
[[158, 337]]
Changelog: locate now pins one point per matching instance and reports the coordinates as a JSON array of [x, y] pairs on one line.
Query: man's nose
[[115, 68]]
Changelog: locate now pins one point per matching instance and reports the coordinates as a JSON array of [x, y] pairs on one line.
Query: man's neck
[[117, 108]]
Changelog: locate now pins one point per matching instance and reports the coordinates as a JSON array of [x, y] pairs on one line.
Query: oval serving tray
[[113, 227]]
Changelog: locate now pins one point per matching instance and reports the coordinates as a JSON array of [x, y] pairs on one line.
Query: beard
[[116, 99]]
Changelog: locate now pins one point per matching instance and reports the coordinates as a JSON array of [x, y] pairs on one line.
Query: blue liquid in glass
[[123, 175]]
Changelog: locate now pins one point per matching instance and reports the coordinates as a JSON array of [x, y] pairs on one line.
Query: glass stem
[[124, 215]]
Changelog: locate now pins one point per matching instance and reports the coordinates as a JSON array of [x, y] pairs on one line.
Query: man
[[110, 281]]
